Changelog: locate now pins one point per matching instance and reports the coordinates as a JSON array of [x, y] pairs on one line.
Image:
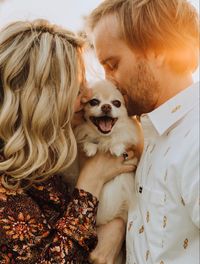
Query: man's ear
[[158, 58]]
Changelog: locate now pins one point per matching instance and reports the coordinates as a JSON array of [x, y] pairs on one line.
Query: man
[[149, 49]]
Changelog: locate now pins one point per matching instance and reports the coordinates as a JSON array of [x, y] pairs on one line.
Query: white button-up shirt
[[163, 226]]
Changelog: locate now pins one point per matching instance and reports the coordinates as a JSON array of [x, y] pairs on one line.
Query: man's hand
[[110, 240]]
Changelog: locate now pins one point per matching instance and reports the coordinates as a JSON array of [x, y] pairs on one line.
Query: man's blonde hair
[[41, 70], [159, 25]]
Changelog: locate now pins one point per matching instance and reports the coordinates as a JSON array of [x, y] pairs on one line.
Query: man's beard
[[142, 90]]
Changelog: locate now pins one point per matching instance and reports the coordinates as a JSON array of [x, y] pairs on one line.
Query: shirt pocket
[[152, 207]]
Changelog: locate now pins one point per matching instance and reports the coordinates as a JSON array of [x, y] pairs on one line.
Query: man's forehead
[[106, 37], [107, 25]]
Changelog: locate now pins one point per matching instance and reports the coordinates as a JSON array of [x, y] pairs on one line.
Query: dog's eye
[[94, 102], [116, 103]]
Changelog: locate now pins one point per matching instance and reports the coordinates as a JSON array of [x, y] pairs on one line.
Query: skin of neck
[[169, 81], [171, 84]]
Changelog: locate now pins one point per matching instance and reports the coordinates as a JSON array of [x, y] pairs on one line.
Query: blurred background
[[68, 13]]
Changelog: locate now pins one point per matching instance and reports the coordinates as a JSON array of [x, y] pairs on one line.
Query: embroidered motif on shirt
[[164, 221], [148, 216], [141, 230], [182, 201], [147, 254], [149, 169], [186, 134], [130, 225], [185, 244], [166, 174], [167, 151], [162, 243], [152, 148], [176, 108], [147, 147]]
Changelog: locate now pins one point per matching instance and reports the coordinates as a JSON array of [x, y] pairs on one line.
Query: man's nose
[[106, 108]]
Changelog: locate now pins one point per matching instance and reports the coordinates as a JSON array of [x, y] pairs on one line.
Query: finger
[[130, 165], [127, 168], [133, 161]]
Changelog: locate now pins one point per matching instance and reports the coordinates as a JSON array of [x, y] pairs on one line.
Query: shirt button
[[140, 189]]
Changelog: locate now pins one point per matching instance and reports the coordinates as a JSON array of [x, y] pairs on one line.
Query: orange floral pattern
[[46, 225]]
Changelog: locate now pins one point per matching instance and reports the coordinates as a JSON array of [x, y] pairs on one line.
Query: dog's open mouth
[[104, 123]]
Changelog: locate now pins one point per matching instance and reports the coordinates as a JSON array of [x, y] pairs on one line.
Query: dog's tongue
[[105, 125]]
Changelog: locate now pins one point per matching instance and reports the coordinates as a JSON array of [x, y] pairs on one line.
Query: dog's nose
[[106, 108]]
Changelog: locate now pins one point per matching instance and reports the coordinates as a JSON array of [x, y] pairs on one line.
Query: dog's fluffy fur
[[107, 127]]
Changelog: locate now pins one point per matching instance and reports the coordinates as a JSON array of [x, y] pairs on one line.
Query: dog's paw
[[90, 149], [117, 150]]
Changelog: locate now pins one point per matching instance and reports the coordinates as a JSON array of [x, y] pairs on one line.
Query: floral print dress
[[45, 225]]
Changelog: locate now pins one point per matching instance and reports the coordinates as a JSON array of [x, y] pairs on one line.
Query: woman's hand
[[101, 168], [110, 240]]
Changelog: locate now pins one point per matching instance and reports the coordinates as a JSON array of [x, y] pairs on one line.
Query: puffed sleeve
[[26, 236]]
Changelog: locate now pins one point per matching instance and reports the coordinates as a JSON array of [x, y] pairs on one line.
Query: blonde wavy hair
[[41, 71], [169, 25]]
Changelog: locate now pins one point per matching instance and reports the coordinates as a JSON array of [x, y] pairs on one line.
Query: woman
[[42, 87]]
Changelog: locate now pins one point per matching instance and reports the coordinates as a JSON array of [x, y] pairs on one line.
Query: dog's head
[[106, 108]]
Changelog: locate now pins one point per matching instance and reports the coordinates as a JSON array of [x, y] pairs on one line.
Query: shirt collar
[[174, 109]]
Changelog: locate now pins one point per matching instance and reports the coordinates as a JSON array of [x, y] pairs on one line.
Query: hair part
[[169, 26], [41, 69]]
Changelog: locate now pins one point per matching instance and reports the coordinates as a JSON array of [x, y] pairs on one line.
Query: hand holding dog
[[101, 168]]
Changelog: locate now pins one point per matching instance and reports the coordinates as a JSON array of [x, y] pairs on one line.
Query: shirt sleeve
[[190, 184], [27, 237]]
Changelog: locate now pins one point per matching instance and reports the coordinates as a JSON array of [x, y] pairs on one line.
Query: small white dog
[[108, 128]]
